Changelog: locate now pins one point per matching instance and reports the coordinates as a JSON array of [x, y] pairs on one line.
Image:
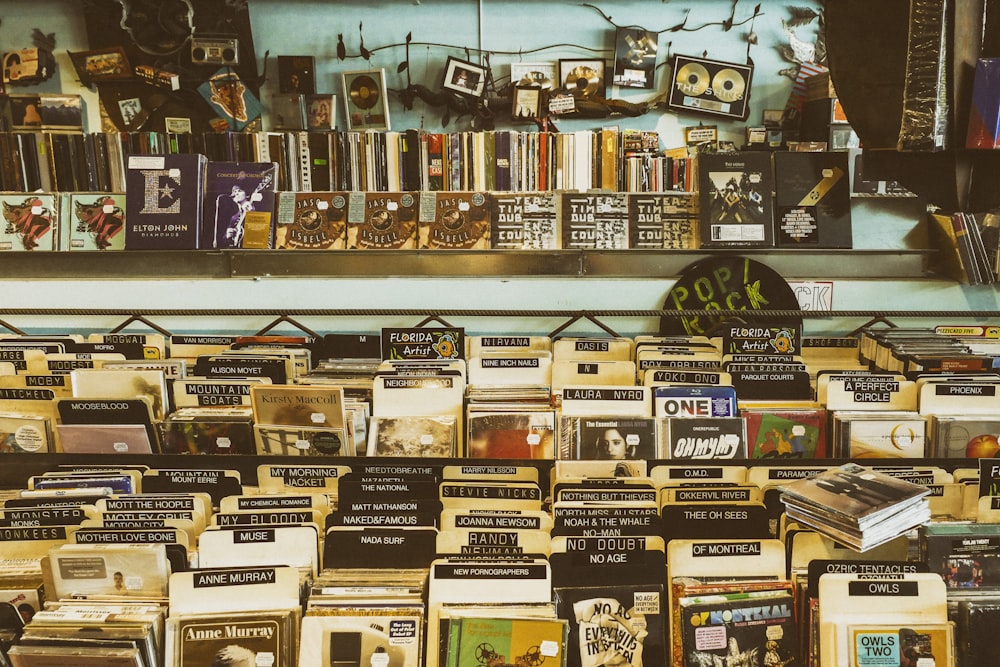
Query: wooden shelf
[[248, 264]]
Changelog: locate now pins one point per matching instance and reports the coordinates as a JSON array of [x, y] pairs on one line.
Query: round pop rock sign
[[724, 283]]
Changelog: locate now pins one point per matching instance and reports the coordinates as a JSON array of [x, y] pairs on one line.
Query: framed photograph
[[129, 109], [365, 100], [464, 77], [545, 75], [109, 64], [321, 112], [584, 77], [527, 103], [177, 125]]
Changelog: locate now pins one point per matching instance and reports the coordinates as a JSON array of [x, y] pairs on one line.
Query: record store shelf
[[249, 264]]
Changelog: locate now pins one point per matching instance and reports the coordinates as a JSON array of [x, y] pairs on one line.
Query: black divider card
[[580, 561], [715, 521], [771, 383], [389, 548], [108, 411], [605, 521], [222, 366], [217, 483], [406, 513]]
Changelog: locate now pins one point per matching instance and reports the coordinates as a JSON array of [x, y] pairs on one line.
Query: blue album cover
[[239, 205], [695, 401], [231, 99], [163, 198]]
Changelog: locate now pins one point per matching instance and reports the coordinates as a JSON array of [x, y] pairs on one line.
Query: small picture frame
[[545, 75], [177, 125], [110, 64], [527, 103], [464, 78], [583, 77], [321, 112], [365, 100], [130, 109]]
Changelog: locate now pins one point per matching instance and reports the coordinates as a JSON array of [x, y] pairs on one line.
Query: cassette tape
[[710, 86]]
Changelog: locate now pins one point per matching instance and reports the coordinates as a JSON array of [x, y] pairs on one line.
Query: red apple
[[982, 446]]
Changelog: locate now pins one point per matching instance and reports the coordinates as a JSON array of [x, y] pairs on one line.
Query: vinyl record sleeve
[[311, 221], [29, 222], [93, 221], [237, 639], [736, 205], [812, 200], [459, 220], [388, 222], [619, 625], [517, 640], [239, 205], [524, 221], [164, 194], [740, 628]]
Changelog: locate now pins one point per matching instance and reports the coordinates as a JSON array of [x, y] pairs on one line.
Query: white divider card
[[23, 547], [217, 483], [488, 519], [594, 492], [276, 502], [964, 398], [650, 359], [136, 570], [946, 501], [191, 346], [602, 373], [59, 363], [45, 516], [569, 348], [222, 590], [137, 521], [104, 535], [501, 368], [765, 476], [694, 401], [624, 559], [482, 543], [806, 546], [203, 392], [491, 472], [589, 400], [153, 340], [287, 517], [478, 345], [871, 394], [60, 385], [385, 548], [696, 473], [199, 503], [300, 478], [823, 379], [900, 601], [587, 519], [26, 355], [497, 495], [656, 377], [587, 469], [872, 568], [295, 546], [458, 581]]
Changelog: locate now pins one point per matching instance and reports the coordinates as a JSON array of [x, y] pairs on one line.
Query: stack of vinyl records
[[857, 506]]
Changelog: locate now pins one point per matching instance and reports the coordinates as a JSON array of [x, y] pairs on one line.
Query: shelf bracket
[[875, 320], [583, 316], [288, 320], [139, 318], [434, 318], [11, 328]]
